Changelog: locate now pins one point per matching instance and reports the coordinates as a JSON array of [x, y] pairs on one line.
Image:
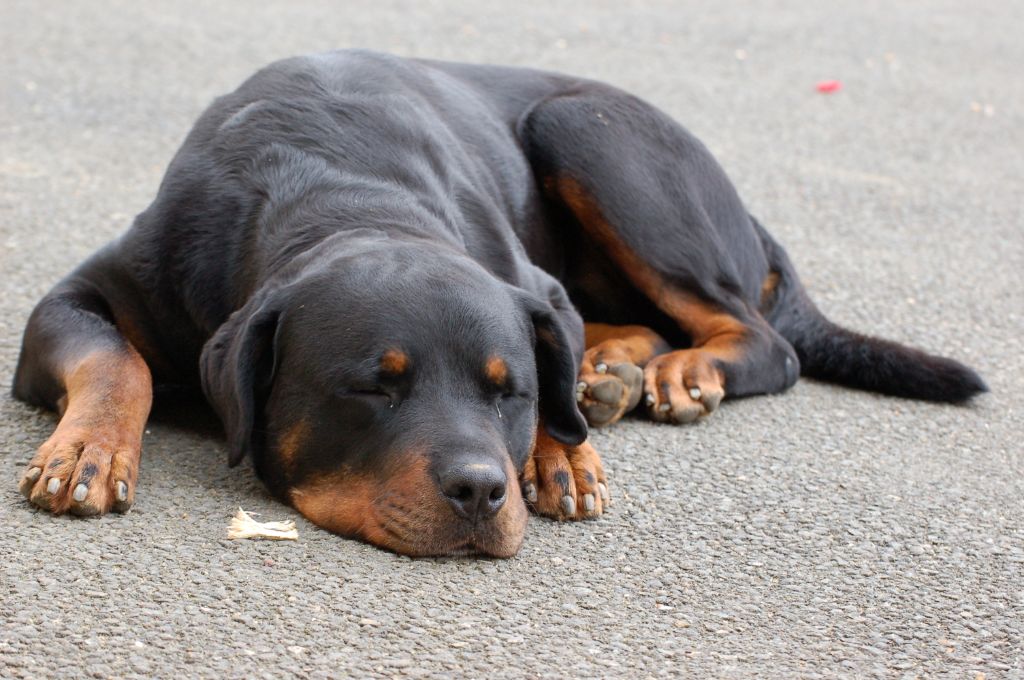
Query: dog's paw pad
[[609, 385]]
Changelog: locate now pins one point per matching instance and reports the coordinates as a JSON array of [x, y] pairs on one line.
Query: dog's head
[[392, 394]]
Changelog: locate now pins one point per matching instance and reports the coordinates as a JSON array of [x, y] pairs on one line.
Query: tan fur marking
[[403, 510], [394, 362], [291, 442], [340, 502], [110, 388], [768, 286], [637, 343], [496, 370]]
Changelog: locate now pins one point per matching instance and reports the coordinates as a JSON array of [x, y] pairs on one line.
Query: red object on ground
[[829, 86]]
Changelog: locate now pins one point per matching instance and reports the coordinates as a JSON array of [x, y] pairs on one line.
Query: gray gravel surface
[[822, 532]]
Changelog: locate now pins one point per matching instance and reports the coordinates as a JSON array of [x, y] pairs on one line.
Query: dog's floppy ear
[[557, 367], [237, 367]]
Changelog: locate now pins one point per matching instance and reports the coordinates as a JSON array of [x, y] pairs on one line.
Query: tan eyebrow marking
[[496, 370], [394, 362]]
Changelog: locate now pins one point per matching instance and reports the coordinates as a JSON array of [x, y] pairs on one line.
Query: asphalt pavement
[[818, 533]]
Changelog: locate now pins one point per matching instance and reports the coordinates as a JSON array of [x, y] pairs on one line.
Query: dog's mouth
[[497, 545], [407, 514]]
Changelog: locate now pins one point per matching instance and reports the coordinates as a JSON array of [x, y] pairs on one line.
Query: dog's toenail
[[53, 485], [568, 505], [695, 393], [580, 397], [603, 488], [121, 491], [650, 399], [601, 368], [588, 502], [33, 474], [664, 408], [81, 491], [530, 491]]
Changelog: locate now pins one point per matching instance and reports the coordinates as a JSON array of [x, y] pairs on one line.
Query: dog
[[407, 287]]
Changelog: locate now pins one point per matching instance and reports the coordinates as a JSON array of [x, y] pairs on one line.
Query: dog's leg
[[611, 376], [76, 362], [652, 198], [733, 349], [560, 480]]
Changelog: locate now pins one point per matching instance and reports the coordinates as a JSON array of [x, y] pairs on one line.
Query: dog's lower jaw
[[408, 515]]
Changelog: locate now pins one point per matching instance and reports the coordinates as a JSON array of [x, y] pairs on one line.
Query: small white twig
[[244, 526]]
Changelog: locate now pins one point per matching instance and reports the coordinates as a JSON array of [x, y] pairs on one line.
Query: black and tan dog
[[378, 269]]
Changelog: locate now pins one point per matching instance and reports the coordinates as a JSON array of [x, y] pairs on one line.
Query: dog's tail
[[834, 354]]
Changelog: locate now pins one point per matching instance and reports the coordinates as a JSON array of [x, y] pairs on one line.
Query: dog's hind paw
[[682, 386], [610, 384]]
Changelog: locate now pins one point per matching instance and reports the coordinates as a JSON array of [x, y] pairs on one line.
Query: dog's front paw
[[609, 383], [564, 482], [682, 386], [84, 471]]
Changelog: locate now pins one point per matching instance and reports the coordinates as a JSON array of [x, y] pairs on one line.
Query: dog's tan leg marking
[[90, 464]]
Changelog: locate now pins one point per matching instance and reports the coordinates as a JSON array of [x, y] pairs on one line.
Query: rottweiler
[[407, 286]]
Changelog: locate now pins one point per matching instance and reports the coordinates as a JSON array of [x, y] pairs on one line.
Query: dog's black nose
[[475, 489]]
